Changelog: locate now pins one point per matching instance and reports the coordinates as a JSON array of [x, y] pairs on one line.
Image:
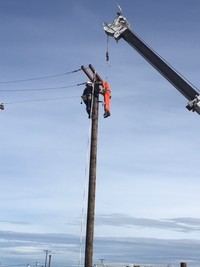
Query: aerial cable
[[84, 192], [40, 100], [41, 89], [40, 78]]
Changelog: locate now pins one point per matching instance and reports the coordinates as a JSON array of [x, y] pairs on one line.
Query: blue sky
[[147, 174]]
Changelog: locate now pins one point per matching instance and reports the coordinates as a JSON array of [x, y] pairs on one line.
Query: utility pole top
[[93, 87]]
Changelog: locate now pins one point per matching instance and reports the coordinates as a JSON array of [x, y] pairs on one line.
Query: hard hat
[[89, 83]]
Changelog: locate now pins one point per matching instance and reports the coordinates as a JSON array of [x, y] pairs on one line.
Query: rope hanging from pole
[[92, 101], [84, 193]]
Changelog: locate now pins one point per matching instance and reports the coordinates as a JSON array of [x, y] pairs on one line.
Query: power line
[[40, 100], [40, 78], [41, 89]]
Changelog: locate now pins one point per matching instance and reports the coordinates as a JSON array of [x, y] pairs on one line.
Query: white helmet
[[89, 83]]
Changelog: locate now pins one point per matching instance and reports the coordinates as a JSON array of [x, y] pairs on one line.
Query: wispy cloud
[[25, 247], [175, 224]]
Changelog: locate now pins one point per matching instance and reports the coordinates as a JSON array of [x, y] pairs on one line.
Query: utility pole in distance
[[46, 251], [92, 170], [49, 265]]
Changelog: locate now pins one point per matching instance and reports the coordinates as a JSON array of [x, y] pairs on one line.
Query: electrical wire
[[41, 89], [39, 100], [40, 78]]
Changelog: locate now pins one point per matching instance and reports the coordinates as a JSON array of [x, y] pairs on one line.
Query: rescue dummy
[[106, 92]]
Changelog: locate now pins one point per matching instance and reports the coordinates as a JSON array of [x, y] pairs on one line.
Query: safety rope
[[107, 52], [84, 193], [92, 100], [107, 57]]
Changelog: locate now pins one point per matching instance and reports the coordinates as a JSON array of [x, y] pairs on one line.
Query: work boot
[[106, 114]]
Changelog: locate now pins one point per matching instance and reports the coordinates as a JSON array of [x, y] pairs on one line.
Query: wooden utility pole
[[92, 170]]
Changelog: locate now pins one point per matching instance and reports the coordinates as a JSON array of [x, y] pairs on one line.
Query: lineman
[[87, 97], [105, 91]]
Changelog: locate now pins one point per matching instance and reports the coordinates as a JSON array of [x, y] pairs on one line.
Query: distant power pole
[[92, 171], [102, 260], [46, 255], [49, 265]]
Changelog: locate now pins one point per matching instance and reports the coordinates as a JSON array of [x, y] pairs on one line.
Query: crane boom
[[120, 28]]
